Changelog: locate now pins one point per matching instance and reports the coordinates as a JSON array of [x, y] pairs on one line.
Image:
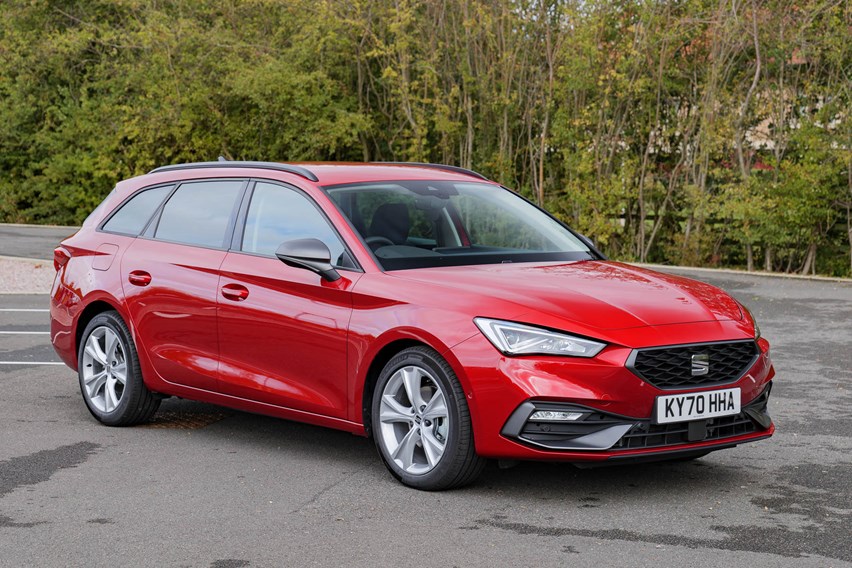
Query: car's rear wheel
[[421, 422], [109, 373]]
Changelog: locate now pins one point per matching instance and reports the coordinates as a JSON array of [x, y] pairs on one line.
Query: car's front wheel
[[421, 422], [109, 373]]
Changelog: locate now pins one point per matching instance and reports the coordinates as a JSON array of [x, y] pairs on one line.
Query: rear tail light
[[60, 257]]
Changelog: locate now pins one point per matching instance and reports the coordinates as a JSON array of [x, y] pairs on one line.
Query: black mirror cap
[[311, 254]]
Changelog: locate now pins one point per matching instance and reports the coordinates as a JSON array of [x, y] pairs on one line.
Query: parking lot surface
[[205, 486]]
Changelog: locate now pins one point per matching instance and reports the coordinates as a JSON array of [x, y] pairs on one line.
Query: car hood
[[595, 294]]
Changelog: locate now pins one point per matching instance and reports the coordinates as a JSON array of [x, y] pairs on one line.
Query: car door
[[170, 278], [283, 330]]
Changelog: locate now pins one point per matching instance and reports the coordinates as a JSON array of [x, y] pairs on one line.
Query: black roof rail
[[444, 167], [289, 168]]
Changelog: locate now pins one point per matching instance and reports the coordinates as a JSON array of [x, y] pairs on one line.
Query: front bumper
[[503, 392]]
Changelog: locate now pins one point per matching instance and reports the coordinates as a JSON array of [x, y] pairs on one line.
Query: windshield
[[417, 224]]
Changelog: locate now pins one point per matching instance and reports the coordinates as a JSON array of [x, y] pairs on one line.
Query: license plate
[[697, 405]]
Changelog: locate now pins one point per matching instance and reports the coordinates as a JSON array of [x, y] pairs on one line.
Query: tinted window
[[132, 217], [277, 214], [198, 213]]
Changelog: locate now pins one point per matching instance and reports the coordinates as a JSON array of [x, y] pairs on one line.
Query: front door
[[283, 330]]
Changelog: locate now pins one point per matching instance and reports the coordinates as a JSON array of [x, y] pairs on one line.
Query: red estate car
[[420, 304]]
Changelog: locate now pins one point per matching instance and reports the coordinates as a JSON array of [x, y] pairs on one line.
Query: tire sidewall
[[426, 360], [113, 322]]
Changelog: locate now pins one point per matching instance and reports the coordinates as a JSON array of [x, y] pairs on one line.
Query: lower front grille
[[596, 430], [646, 435]]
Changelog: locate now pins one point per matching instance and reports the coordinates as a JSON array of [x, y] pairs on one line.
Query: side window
[[277, 214], [132, 217], [198, 213]]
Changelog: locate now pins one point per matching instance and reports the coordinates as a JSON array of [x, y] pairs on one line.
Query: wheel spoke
[[93, 348], [431, 446], [111, 342], [95, 382], [394, 411], [119, 372], [110, 399], [405, 450], [437, 407], [411, 379]]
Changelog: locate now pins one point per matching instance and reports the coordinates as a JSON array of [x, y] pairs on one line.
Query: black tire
[[136, 403], [459, 464]]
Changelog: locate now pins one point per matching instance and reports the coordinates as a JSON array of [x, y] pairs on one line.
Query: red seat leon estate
[[423, 305]]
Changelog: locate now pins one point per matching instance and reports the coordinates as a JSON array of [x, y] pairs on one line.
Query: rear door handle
[[139, 278], [235, 292]]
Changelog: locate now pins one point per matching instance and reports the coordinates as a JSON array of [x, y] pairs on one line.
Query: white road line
[[23, 310], [31, 363], [24, 333]]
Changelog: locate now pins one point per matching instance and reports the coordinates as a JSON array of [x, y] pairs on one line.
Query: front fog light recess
[[554, 416]]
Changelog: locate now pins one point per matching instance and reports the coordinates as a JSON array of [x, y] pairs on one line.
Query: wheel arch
[[378, 363], [395, 343], [94, 308]]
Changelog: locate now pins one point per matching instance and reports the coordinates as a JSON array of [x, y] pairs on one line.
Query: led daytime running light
[[513, 338]]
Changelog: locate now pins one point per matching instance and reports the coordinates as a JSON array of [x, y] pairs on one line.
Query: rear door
[[170, 277], [283, 330]]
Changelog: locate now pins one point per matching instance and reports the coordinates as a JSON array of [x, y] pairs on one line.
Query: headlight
[[754, 321], [518, 339]]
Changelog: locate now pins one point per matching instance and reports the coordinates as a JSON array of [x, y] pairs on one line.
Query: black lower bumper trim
[[596, 430]]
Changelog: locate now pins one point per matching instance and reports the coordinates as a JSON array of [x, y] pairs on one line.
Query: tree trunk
[[749, 257], [849, 230], [849, 212], [739, 135], [767, 259], [810, 260]]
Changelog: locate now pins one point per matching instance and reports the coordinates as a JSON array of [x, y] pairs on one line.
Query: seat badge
[[700, 364]]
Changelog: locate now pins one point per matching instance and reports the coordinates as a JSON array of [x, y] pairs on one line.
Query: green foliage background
[[689, 131]]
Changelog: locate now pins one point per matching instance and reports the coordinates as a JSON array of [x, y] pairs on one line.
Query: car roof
[[333, 173]]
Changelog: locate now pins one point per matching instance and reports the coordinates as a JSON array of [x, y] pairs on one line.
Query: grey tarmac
[[205, 486]]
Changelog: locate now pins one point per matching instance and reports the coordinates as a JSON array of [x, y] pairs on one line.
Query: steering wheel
[[378, 240]]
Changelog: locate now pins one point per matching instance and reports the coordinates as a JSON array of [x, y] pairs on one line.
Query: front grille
[[672, 367]]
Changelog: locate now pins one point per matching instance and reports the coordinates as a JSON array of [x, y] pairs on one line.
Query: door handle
[[139, 278], [235, 292]]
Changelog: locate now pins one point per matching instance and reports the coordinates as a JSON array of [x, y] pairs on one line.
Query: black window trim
[[239, 227], [126, 200]]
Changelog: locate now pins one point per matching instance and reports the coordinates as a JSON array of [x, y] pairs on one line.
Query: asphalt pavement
[[31, 241], [205, 486]]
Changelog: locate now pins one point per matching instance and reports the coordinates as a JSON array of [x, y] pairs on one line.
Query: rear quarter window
[[134, 214]]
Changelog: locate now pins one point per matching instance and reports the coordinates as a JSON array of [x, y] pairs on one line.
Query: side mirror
[[308, 253]]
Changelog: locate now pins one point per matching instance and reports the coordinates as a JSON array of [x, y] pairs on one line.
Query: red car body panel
[[175, 313], [272, 343], [249, 332]]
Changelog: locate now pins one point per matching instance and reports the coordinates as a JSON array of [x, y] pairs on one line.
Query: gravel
[[25, 276]]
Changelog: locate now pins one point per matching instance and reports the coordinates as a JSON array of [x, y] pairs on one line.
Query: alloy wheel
[[104, 369], [414, 420]]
